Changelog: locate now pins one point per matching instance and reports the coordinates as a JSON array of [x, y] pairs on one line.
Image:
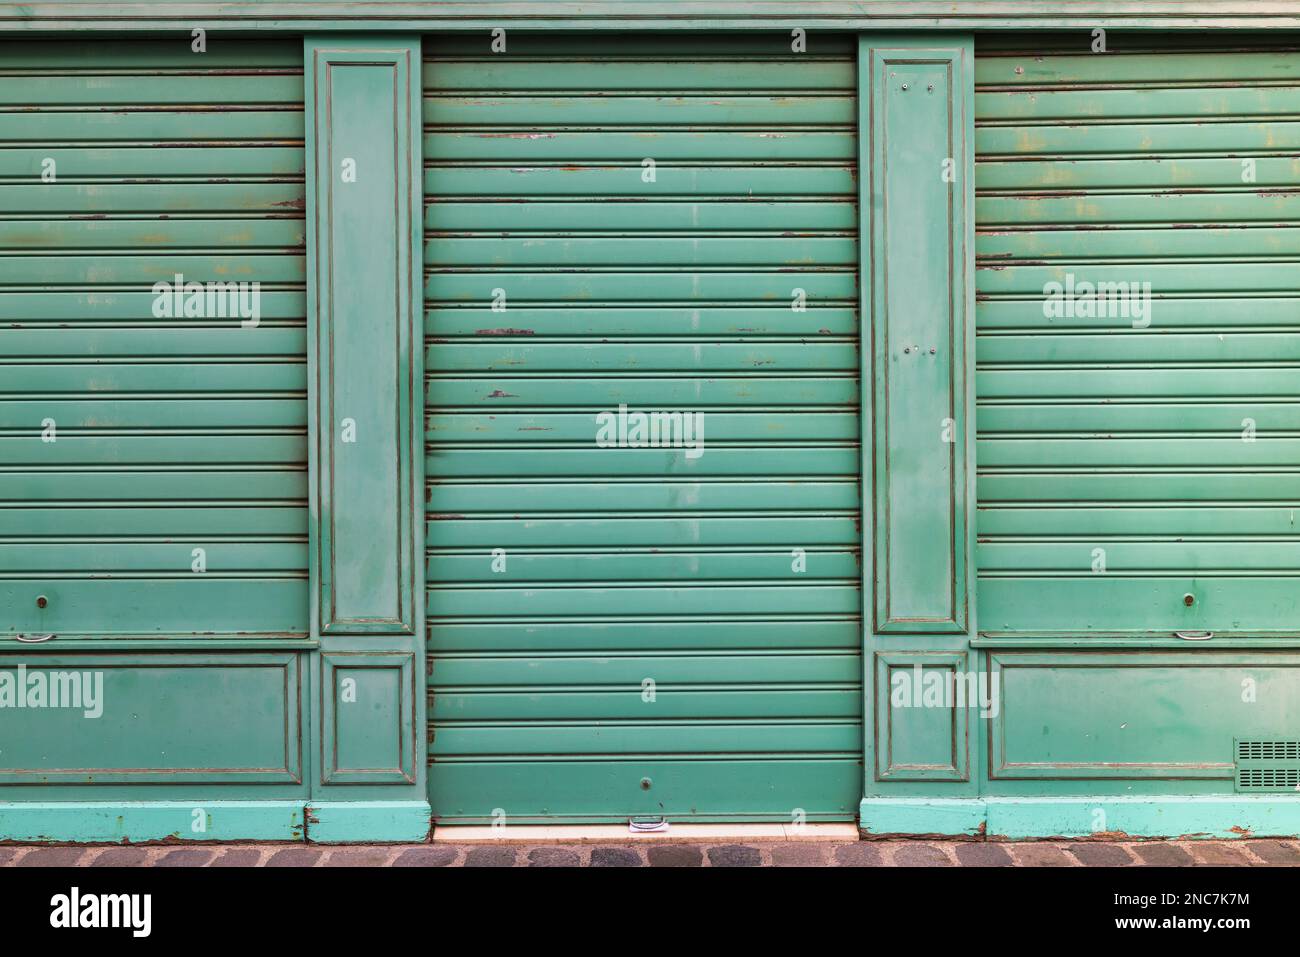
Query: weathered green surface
[[1158, 716], [229, 719], [371, 822], [1207, 817], [128, 821], [364, 327], [624, 566], [918, 300], [1136, 473], [478, 17], [919, 219], [170, 433], [363, 202]]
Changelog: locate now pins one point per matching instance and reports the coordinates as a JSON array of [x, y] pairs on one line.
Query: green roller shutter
[[1139, 470], [131, 439], [625, 631]]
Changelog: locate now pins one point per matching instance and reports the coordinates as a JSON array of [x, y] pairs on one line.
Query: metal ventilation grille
[[1268, 750], [1268, 778], [1268, 765]]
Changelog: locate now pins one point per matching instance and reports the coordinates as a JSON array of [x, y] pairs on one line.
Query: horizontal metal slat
[[631, 565]]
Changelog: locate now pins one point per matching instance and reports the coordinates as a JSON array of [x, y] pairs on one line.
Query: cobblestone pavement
[[1257, 853]]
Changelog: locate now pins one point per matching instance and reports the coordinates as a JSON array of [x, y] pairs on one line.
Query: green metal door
[[625, 623], [152, 351], [1138, 391]]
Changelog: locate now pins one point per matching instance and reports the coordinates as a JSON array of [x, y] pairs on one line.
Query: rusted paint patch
[[504, 332]]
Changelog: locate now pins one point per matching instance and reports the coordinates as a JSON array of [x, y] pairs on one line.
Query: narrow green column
[[917, 226], [364, 204]]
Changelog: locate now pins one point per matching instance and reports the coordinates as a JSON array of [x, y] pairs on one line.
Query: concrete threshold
[[619, 833]]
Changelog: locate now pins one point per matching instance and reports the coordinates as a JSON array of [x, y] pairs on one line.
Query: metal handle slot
[[34, 639], [1192, 636]]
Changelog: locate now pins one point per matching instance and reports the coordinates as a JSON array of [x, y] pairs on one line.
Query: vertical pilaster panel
[[366, 369], [915, 139], [364, 209], [917, 294]]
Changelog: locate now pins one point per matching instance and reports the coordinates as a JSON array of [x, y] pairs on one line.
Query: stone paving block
[[1159, 854], [735, 855], [983, 855], [554, 857], [674, 855], [615, 857], [121, 857], [800, 855], [1039, 855], [64, 856], [491, 856], [436, 855], [294, 857], [238, 857], [358, 856], [1219, 854], [1276, 852], [920, 855], [1096, 854], [861, 854], [185, 857]]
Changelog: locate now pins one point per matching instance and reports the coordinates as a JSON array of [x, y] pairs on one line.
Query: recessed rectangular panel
[[1166, 715], [139, 719], [363, 197], [921, 704], [368, 717]]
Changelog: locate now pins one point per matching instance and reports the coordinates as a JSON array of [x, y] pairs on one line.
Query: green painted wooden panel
[[1165, 716], [918, 298], [172, 433], [919, 743], [628, 565], [364, 325], [136, 719], [368, 709], [1125, 465]]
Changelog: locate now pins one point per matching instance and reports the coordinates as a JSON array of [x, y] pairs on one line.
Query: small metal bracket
[[647, 825]]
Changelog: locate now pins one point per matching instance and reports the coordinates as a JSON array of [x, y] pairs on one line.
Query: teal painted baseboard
[[118, 822], [1201, 816], [944, 816], [131, 822], [343, 822]]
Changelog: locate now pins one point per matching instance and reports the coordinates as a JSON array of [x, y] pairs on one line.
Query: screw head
[[1189, 600], [645, 784], [41, 601]]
